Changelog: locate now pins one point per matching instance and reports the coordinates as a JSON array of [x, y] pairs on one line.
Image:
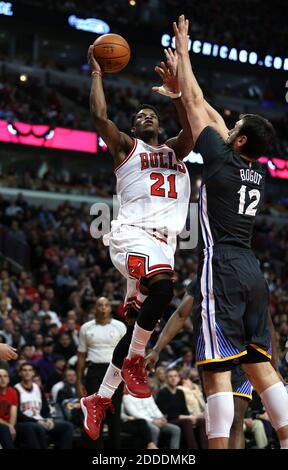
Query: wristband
[[96, 73], [164, 91]]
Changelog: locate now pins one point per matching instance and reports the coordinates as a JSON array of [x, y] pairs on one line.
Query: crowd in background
[[43, 307], [30, 102]]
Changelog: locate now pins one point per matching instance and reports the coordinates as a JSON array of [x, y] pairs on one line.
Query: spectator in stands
[[171, 402], [139, 430], [54, 332], [11, 430], [146, 408], [35, 328], [65, 346], [31, 293], [54, 303], [193, 397], [72, 328], [158, 380], [68, 390], [33, 407], [8, 330], [256, 428], [57, 375], [45, 310], [38, 343], [8, 411], [64, 280], [14, 315], [27, 353], [17, 340], [183, 364], [46, 365], [17, 233], [30, 314]]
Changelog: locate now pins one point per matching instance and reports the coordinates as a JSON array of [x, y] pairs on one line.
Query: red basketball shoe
[[94, 408], [134, 375]]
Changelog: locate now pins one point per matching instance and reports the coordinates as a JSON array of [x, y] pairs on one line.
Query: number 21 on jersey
[[254, 197], [157, 187]]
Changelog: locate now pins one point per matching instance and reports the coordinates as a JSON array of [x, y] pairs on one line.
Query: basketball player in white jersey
[[153, 188]]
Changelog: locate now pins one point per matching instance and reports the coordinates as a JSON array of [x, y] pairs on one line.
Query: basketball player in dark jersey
[[241, 387], [230, 312]]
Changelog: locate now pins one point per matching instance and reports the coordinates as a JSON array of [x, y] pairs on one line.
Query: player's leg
[[257, 364], [266, 382], [242, 393], [237, 438], [160, 294], [218, 312], [220, 406]]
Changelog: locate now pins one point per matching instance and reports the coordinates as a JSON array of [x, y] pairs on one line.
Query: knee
[[219, 414], [163, 289]]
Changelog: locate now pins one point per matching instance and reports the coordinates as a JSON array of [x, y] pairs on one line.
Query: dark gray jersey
[[231, 193]]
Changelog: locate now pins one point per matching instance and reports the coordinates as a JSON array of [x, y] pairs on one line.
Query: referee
[[97, 340]]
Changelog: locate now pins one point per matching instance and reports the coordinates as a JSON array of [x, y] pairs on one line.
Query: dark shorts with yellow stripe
[[230, 310], [240, 384]]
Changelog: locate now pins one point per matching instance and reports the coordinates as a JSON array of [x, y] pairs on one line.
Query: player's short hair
[[260, 134], [144, 106]]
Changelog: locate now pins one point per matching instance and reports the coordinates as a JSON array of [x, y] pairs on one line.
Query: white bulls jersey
[[30, 401], [153, 189]]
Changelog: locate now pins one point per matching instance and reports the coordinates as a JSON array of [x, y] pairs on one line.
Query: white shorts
[[136, 253]]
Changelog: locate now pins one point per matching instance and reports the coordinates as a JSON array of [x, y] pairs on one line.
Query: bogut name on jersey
[[250, 175], [158, 160]]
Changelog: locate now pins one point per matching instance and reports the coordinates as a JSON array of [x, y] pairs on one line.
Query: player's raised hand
[[94, 66], [170, 86], [151, 359], [171, 61], [181, 34], [7, 352]]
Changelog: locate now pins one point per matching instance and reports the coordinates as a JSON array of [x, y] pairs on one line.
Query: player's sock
[[110, 382], [139, 340], [122, 348], [275, 400]]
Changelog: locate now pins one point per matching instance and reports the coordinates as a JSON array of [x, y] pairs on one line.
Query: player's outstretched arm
[[192, 94], [172, 327], [119, 143], [183, 143]]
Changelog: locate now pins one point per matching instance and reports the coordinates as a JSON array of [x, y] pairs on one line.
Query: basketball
[[112, 52]]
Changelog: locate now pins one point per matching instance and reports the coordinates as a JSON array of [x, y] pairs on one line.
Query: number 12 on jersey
[[254, 196], [158, 190]]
